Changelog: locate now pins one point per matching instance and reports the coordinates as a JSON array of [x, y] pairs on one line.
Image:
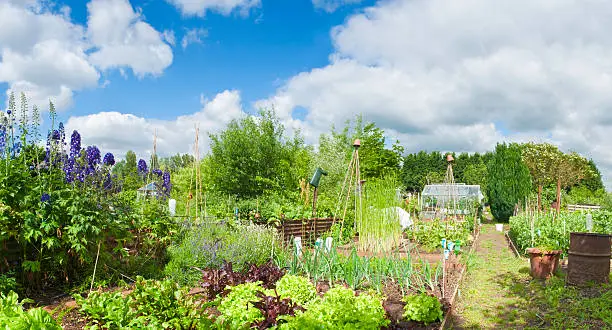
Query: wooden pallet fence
[[307, 229]]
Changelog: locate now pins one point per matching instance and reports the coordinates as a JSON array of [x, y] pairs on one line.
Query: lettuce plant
[[422, 308]]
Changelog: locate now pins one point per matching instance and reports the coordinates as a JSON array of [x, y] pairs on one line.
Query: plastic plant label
[[297, 242]]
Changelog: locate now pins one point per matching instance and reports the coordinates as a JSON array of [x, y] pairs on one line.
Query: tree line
[[255, 164]]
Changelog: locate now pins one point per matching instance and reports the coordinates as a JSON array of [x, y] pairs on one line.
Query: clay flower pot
[[543, 263]]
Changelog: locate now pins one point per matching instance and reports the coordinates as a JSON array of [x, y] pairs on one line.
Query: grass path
[[498, 293]]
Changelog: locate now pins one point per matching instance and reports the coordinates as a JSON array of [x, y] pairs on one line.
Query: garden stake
[[93, 277]]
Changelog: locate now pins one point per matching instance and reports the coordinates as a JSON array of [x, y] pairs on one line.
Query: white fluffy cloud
[[45, 55], [441, 74], [225, 7], [331, 5], [118, 132]]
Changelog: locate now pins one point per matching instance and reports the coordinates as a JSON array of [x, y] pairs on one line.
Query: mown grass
[[498, 292]]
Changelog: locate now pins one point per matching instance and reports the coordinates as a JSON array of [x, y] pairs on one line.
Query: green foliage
[[297, 288], [13, 316], [423, 308], [429, 233], [237, 309], [8, 283], [553, 232], [210, 245], [375, 160], [250, 157], [508, 181], [152, 304], [341, 309], [363, 272]]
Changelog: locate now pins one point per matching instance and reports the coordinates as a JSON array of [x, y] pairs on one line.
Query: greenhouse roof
[[459, 189]]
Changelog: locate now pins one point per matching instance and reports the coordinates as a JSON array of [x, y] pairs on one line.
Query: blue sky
[[436, 74], [253, 54]]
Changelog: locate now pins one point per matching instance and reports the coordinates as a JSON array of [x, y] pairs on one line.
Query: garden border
[[463, 271]]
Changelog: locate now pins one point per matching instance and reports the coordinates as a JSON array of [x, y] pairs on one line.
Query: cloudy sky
[[436, 74]]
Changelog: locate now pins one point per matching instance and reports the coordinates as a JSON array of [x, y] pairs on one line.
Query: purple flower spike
[[142, 167], [75, 144], [109, 159]]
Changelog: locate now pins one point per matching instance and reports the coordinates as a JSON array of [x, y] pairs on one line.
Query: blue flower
[[142, 167], [75, 144], [8, 112], [109, 159], [45, 198], [157, 172], [92, 153]]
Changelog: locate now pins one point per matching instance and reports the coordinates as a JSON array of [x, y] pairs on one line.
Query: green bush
[[341, 309], [509, 181], [7, 283], [297, 288], [13, 316], [423, 308], [213, 244]]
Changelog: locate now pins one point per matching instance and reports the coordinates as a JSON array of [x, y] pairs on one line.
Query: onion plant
[[379, 228]]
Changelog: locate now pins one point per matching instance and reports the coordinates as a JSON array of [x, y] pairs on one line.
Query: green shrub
[[297, 288], [12, 315], [340, 309], [509, 180], [237, 309], [7, 283], [423, 308], [213, 244]]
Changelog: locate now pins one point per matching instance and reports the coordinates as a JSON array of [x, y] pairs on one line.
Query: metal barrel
[[589, 258]]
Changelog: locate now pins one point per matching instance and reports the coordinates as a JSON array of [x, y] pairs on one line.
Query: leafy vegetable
[[423, 308], [12, 315], [297, 288], [341, 309]]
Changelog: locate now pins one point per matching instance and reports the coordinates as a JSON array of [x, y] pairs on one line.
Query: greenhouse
[[446, 197]]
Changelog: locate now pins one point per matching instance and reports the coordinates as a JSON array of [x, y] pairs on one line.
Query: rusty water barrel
[[588, 258]]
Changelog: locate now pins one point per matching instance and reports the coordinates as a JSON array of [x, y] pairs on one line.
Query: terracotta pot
[[543, 264]]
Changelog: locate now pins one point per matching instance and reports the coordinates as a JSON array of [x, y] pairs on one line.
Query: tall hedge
[[509, 180]]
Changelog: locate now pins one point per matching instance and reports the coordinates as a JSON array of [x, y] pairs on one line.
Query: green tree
[[375, 160], [476, 174], [251, 157], [540, 159], [568, 170], [508, 180]]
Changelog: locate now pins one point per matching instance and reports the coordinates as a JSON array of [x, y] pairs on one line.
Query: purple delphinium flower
[[166, 185], [2, 139], [157, 172], [75, 144], [62, 132], [55, 135], [45, 198], [108, 182], [109, 159], [92, 154], [142, 167]]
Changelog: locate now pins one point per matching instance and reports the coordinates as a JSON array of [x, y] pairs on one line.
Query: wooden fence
[[307, 229], [578, 207]]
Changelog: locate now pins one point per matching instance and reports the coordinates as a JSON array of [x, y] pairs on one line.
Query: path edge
[[463, 271]]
